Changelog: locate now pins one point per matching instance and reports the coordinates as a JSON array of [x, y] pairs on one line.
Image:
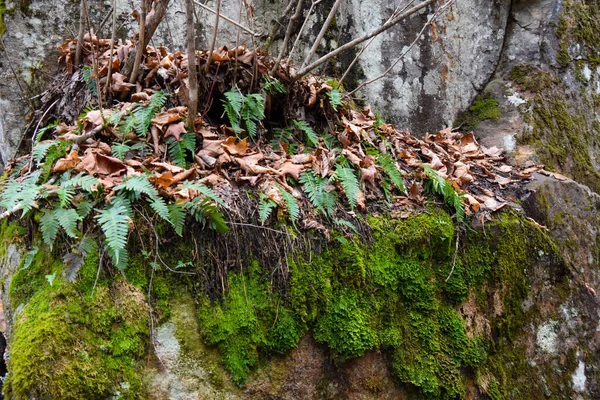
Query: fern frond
[[42, 131], [335, 98], [85, 182], [119, 150], [206, 212], [205, 191], [274, 86], [21, 195], [49, 227], [39, 151], [311, 135], [438, 185], [345, 223], [88, 245], [177, 216], [143, 114], [65, 196], [67, 219], [176, 152], [188, 142], [391, 169], [83, 209], [291, 204], [114, 223], [347, 179], [321, 199], [89, 80], [141, 185], [28, 258], [265, 208]]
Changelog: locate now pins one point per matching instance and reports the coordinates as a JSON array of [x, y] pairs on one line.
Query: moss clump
[[532, 79], [563, 138], [67, 344], [483, 108], [579, 23], [250, 318]]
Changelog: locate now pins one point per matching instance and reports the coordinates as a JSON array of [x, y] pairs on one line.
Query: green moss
[[249, 319], [563, 138], [67, 345], [579, 24], [483, 108], [531, 79]]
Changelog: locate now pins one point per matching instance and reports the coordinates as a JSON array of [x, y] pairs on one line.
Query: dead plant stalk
[[192, 74], [141, 43], [357, 41]]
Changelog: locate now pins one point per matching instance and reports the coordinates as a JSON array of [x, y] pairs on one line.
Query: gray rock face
[[438, 78]]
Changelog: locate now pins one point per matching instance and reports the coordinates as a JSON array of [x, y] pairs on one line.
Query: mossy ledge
[[89, 339]]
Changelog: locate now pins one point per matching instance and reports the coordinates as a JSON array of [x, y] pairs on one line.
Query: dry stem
[[242, 27], [192, 74], [321, 34], [141, 43], [288, 34], [361, 39]]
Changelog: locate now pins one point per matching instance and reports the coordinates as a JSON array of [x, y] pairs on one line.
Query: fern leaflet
[[119, 150], [390, 168], [348, 180], [291, 204], [21, 195], [140, 185], [265, 207], [177, 217], [311, 135], [438, 185], [115, 224], [335, 99], [315, 188], [49, 227]]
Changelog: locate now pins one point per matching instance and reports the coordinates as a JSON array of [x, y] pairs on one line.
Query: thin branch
[[160, 9], [321, 34], [288, 34], [192, 74], [105, 20], [141, 43], [112, 48], [310, 10], [279, 23], [79, 47], [242, 27], [237, 41], [364, 38], [259, 227], [214, 38], [394, 14], [405, 52], [35, 132], [455, 253]]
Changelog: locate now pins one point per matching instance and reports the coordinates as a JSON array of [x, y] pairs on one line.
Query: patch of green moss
[[483, 108], [250, 318], [563, 138], [68, 345], [532, 79], [579, 24]]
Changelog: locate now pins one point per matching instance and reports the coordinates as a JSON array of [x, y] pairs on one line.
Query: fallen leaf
[[67, 162], [175, 130], [98, 164], [235, 148]]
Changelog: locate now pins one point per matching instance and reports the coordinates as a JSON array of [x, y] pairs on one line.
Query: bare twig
[[310, 10], [322, 32], [95, 66], [160, 9], [141, 43], [112, 47], [214, 38], [192, 74], [405, 52], [455, 253], [79, 47], [394, 14], [279, 23], [259, 227], [237, 41], [242, 27], [98, 272], [105, 20], [35, 132], [364, 38], [288, 34]]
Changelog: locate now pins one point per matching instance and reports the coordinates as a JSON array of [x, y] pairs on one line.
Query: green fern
[[265, 208], [311, 135], [119, 150], [206, 212], [114, 222], [389, 167], [177, 216], [21, 195], [274, 86], [85, 182], [291, 204], [144, 114], [345, 223], [315, 188], [205, 191], [89, 80], [84, 208], [42, 131], [140, 185], [346, 177], [244, 110], [29, 256], [49, 227], [178, 150], [335, 98], [39, 151], [440, 186]]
